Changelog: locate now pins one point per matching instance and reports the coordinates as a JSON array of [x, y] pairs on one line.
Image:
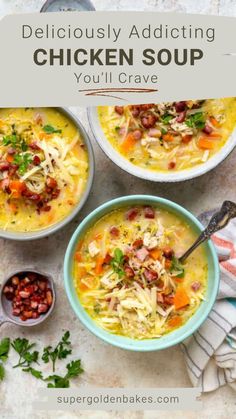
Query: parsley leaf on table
[[2, 372], [74, 369], [61, 351], [36, 373], [4, 349], [23, 347]]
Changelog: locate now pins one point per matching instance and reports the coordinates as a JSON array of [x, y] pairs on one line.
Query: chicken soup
[[170, 136], [128, 277], [43, 168]]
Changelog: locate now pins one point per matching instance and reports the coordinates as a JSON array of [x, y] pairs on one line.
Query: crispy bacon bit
[[34, 146], [171, 165], [207, 129], [132, 214], [181, 117], [195, 286], [168, 299], [107, 259], [4, 165], [137, 244], [119, 109], [180, 106], [51, 182], [36, 160], [148, 119], [129, 272], [149, 212], [150, 275], [168, 252], [114, 231]]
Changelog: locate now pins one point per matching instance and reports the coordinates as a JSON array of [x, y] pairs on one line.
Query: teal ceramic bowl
[[167, 340]]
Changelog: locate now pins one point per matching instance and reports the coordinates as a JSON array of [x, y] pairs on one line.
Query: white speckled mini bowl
[[125, 164], [55, 227]]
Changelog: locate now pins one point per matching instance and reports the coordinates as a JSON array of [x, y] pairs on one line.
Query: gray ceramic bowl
[[6, 315], [67, 5], [55, 227]]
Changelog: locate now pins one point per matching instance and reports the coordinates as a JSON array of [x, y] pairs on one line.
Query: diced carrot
[[175, 321], [10, 158], [214, 121], [83, 287], [155, 254], [16, 188], [176, 279], [98, 236], [214, 134], [186, 139], [205, 143], [181, 299], [128, 143], [168, 263], [99, 265], [168, 137], [44, 136], [78, 256]]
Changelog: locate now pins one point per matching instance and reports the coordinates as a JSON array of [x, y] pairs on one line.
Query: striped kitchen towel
[[210, 353]]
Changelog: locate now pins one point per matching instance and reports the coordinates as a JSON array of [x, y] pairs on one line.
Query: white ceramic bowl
[[124, 164]]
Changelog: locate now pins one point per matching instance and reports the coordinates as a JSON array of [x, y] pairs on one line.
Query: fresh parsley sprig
[[117, 262], [23, 348], [4, 349], [23, 161], [61, 351], [74, 369]]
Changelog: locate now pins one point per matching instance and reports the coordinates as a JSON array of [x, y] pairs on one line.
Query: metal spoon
[[6, 305], [67, 5], [218, 221]]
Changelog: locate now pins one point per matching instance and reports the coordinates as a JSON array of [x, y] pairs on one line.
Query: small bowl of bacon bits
[[27, 298]]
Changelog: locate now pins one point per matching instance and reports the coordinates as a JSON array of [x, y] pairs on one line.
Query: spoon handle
[[218, 221]]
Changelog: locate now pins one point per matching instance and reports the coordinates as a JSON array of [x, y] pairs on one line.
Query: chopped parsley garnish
[[166, 118], [15, 141], [177, 267], [61, 351], [117, 262], [197, 120], [51, 130], [23, 161]]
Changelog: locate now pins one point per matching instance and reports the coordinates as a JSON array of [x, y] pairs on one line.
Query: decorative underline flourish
[[106, 90]]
